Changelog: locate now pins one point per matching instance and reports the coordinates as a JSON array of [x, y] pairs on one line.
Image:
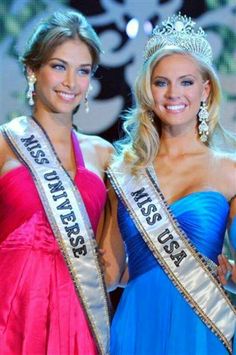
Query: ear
[[29, 71], [206, 90]]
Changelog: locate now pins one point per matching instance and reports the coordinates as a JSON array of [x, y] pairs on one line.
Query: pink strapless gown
[[40, 312]]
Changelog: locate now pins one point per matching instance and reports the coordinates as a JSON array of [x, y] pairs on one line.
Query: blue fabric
[[231, 286], [153, 317], [232, 233]]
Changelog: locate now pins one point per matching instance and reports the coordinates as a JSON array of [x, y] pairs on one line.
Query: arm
[[96, 152], [227, 269], [111, 243], [232, 223], [4, 153]]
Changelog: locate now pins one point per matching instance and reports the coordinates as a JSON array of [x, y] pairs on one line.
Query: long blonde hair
[[140, 144]]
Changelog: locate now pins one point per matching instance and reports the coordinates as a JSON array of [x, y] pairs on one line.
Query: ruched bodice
[[19, 195], [153, 317], [202, 216], [40, 312]]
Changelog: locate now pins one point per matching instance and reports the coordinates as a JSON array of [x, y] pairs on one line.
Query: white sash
[[189, 272], [68, 218]]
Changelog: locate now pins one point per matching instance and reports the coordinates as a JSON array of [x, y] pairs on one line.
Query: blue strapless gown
[[152, 316]]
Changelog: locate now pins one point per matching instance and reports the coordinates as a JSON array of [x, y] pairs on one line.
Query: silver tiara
[[178, 31]]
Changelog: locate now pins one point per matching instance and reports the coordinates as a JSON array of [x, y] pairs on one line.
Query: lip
[[177, 108], [66, 96]]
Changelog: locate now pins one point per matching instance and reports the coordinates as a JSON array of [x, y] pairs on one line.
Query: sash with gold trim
[[68, 218], [186, 268]]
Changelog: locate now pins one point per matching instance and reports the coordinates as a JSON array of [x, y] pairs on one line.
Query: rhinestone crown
[[178, 31]]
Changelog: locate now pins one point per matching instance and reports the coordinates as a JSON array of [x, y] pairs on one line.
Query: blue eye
[[58, 67], [160, 83], [84, 71], [187, 82]]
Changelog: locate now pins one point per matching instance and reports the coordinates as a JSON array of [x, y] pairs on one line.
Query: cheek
[[84, 84], [45, 81], [156, 96], [198, 94], [193, 96]]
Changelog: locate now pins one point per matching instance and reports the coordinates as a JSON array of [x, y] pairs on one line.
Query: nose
[[173, 92], [70, 79]]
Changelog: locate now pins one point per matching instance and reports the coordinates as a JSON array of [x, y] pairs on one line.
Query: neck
[[58, 127], [175, 142]]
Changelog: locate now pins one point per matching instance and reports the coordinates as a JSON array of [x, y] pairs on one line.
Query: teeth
[[66, 95], [175, 107]]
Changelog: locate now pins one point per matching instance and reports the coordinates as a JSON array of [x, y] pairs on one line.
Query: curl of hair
[[140, 144], [54, 31]]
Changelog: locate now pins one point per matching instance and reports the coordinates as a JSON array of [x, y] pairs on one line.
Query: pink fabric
[[78, 154], [40, 312]]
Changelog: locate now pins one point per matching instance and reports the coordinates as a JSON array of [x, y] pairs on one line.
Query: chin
[[65, 109]]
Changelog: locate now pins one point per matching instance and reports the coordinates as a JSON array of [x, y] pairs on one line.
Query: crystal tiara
[[178, 32]]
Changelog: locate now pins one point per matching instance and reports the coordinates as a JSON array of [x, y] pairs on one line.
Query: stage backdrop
[[123, 26]]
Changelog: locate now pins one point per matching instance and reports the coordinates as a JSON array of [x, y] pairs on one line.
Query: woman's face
[[178, 88], [64, 79]]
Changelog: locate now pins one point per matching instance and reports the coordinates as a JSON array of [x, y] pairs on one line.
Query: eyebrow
[[65, 62], [181, 77]]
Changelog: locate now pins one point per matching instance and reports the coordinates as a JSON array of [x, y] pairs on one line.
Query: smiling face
[[62, 82], [178, 88]]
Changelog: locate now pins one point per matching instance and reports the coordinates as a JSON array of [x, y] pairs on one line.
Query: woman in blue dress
[[176, 190]]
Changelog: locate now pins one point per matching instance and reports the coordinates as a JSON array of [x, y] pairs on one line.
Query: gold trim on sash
[[185, 267], [68, 218]]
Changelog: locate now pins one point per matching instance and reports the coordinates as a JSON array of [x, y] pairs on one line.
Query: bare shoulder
[[228, 164], [4, 150], [94, 141], [227, 171], [95, 146]]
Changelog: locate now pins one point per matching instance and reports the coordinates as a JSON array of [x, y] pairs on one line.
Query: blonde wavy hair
[[140, 144]]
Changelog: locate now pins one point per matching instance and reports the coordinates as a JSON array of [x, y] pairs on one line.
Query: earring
[[203, 127], [86, 104], [31, 81], [150, 115]]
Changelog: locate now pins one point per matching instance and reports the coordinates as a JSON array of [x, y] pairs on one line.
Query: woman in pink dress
[[50, 181]]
